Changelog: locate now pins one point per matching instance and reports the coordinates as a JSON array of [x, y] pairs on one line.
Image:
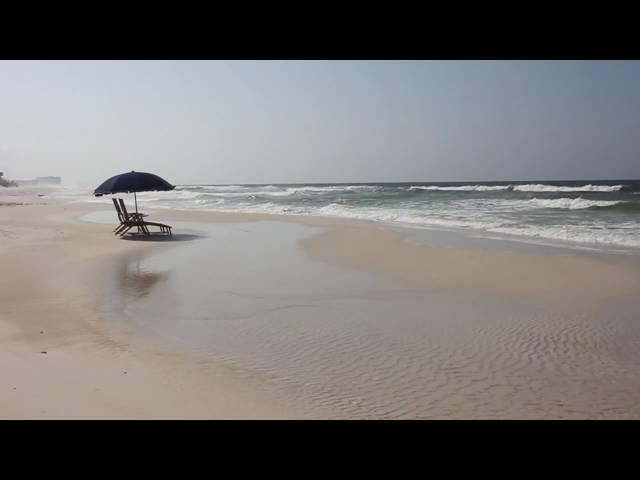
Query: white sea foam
[[171, 195], [555, 188], [520, 188], [330, 189], [404, 216], [626, 236], [571, 203], [462, 188], [576, 234], [211, 187], [240, 191]]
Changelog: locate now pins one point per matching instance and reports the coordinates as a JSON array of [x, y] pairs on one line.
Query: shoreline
[[439, 248], [81, 375], [454, 236], [426, 234]]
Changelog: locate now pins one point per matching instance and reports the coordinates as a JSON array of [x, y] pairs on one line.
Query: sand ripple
[[380, 350], [354, 363]]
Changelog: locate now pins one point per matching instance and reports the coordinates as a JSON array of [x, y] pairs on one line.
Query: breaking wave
[[462, 188], [572, 203], [578, 212], [563, 189]]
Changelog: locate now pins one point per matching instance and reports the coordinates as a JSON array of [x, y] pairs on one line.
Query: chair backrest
[[120, 216], [124, 209]]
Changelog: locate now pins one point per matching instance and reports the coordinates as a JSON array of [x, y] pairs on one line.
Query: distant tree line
[[6, 183]]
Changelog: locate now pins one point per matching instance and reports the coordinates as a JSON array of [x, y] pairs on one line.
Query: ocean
[[589, 213]]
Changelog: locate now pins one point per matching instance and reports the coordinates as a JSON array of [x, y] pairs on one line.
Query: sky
[[214, 122]]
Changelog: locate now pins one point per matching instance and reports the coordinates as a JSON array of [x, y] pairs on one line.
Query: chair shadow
[[177, 237]]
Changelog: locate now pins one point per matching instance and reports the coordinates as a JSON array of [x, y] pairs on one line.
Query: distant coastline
[[39, 181]]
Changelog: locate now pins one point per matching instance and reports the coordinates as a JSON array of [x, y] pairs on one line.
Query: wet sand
[[306, 318], [57, 359]]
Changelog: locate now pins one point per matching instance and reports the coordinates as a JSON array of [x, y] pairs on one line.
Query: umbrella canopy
[[133, 182]]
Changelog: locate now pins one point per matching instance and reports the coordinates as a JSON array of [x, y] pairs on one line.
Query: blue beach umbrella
[[133, 182]]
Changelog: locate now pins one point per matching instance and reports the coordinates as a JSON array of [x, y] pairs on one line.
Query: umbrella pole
[[136, 200]]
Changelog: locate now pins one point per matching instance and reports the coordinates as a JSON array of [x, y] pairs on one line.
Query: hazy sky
[[320, 121]]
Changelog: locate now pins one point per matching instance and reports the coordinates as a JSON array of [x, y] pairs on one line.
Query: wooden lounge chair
[[131, 220], [124, 218]]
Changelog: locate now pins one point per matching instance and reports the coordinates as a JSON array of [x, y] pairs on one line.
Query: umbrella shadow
[[178, 237]]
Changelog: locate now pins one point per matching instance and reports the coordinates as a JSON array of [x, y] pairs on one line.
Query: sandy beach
[[264, 316], [334, 239], [57, 362]]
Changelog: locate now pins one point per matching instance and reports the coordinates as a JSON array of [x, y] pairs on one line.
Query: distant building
[[6, 183]]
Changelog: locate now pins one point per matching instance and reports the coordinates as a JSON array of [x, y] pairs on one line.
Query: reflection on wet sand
[[136, 281]]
